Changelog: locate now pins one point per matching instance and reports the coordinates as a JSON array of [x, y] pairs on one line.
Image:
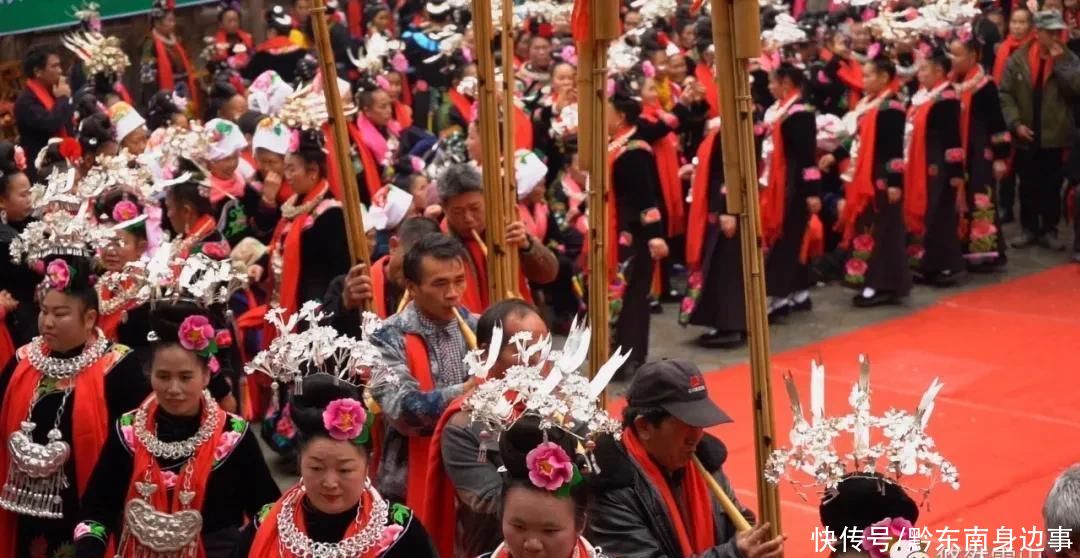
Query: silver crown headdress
[[196, 278], [60, 191], [120, 172], [60, 233], [100, 54], [305, 347], [305, 109], [905, 451], [545, 384]]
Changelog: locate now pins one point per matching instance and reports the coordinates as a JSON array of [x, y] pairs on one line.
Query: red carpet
[[1007, 416]]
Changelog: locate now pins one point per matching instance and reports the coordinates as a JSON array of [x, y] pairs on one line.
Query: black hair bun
[[7, 158], [316, 393], [81, 277], [166, 318], [862, 500], [516, 443]]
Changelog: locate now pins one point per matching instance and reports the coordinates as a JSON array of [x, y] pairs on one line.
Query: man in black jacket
[[654, 502], [44, 109]]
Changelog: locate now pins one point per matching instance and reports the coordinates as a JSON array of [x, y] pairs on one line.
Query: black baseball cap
[[678, 387]]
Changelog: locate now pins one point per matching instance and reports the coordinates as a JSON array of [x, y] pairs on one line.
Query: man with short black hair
[[461, 194], [423, 347], [44, 109], [660, 503]]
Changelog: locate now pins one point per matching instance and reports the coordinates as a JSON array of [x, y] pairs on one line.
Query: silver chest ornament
[[36, 474], [160, 534]]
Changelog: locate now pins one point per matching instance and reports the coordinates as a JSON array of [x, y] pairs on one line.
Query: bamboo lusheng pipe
[[729, 507], [354, 224], [480, 241], [593, 143], [490, 157], [466, 331], [739, 36], [508, 209]]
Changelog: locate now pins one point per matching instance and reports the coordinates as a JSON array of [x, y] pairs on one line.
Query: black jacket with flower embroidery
[[239, 486]]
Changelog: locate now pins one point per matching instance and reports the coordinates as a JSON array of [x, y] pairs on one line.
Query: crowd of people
[[176, 282]]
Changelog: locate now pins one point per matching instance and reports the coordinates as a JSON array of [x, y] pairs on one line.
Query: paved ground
[[832, 314]]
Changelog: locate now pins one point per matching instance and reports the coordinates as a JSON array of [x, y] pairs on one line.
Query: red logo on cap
[[696, 384]]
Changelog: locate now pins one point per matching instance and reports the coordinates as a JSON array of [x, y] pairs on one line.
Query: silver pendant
[[165, 533], [36, 474]]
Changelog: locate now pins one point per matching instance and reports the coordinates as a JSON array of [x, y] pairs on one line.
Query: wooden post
[[354, 224], [593, 157], [490, 155], [736, 34], [508, 209]]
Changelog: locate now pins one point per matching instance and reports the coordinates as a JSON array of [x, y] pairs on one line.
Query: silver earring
[[3, 216]]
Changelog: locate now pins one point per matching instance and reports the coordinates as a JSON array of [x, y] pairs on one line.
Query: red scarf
[[355, 17], [704, 74], [420, 447], [696, 532], [775, 194], [440, 509], [378, 286], [699, 202], [476, 295], [967, 92], [89, 432], [7, 346], [232, 187], [288, 237], [860, 191], [666, 152], [916, 174], [277, 45], [194, 477], [1005, 51], [402, 111], [536, 221], [523, 130], [165, 69], [267, 542], [1034, 54], [47, 100], [222, 38], [333, 172], [372, 176]]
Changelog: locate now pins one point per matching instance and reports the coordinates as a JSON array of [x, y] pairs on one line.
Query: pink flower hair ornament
[[346, 420], [58, 275], [883, 538], [551, 469], [125, 210], [197, 334]]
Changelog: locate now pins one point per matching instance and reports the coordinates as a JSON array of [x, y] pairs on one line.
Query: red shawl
[[1034, 54], [666, 152], [440, 509], [89, 432], [775, 194], [461, 103], [1005, 51], [476, 297], [523, 130], [7, 346], [45, 97], [165, 69], [696, 535], [416, 357], [915, 177], [699, 202], [276, 45], [402, 111], [194, 478], [372, 174], [290, 241], [267, 542]]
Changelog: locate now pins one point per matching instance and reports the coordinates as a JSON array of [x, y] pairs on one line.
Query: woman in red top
[[232, 44], [165, 65]]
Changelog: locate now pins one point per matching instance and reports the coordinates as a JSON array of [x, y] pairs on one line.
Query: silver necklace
[[297, 543], [183, 448], [64, 368]]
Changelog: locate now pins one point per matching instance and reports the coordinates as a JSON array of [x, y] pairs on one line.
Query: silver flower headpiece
[[100, 54], [903, 450], [305, 109], [545, 384], [60, 233], [304, 347], [198, 278], [60, 191], [120, 172]]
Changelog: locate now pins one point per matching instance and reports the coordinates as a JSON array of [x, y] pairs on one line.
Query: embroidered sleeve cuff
[[811, 174], [954, 155], [92, 530], [896, 165], [1003, 137], [650, 216]]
